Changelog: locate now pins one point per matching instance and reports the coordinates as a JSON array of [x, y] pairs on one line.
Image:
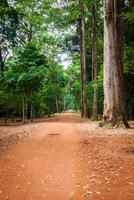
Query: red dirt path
[[68, 158]]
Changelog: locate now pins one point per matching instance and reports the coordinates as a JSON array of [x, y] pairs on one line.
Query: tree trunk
[[94, 65], [64, 103], [31, 111], [6, 117], [23, 110], [1, 61], [34, 113], [83, 62], [12, 117], [81, 75], [26, 108], [57, 105], [114, 103]]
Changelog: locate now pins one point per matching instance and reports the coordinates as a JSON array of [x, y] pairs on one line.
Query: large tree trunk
[[83, 63], [114, 104], [94, 65]]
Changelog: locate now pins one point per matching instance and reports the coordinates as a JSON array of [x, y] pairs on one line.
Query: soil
[[66, 158]]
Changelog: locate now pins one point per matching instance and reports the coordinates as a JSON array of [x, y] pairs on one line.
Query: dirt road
[[67, 158]]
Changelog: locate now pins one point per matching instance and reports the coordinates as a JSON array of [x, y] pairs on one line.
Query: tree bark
[[81, 74], [64, 103], [114, 103], [31, 111], [57, 105], [94, 65], [23, 110], [1, 61], [26, 107], [83, 62]]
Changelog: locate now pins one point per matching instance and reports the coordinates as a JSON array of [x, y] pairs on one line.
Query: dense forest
[[57, 55]]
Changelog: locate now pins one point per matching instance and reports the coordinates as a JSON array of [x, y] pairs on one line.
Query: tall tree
[[8, 27], [83, 61], [94, 63], [114, 104]]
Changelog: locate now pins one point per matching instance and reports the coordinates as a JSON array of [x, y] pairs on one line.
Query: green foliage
[[90, 92], [53, 86], [129, 14], [129, 89], [29, 74], [26, 72], [129, 61], [33, 35], [73, 85]]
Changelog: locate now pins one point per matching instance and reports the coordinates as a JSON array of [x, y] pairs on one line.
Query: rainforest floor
[[66, 158]]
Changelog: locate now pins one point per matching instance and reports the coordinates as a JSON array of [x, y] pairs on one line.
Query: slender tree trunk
[[1, 61], [57, 105], [6, 117], [64, 103], [84, 67], [31, 111], [12, 117], [94, 65], [81, 75], [26, 108], [83, 62], [114, 103], [23, 110], [34, 113]]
